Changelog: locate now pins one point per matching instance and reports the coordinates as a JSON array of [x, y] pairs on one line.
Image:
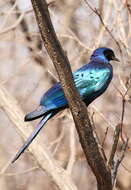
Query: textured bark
[[77, 107]]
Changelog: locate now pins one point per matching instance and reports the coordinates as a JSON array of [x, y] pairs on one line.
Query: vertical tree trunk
[[77, 107]]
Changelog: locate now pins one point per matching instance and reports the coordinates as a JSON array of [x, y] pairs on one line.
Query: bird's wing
[[87, 81], [90, 80], [54, 98]]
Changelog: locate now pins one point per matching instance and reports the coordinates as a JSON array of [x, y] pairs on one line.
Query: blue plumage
[[91, 81]]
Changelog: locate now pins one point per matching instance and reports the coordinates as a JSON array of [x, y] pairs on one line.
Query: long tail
[[39, 112], [32, 136]]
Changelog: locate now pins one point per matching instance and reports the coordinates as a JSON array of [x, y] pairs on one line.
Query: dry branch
[[41, 154], [77, 107]]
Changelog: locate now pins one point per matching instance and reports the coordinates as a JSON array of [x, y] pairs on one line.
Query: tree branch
[[114, 147], [40, 152], [77, 107]]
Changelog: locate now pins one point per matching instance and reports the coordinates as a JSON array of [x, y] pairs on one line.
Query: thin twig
[[128, 170], [57, 142], [102, 21], [103, 116], [104, 139], [114, 146], [122, 118], [98, 139], [19, 173], [72, 150], [12, 27], [123, 112], [118, 161]]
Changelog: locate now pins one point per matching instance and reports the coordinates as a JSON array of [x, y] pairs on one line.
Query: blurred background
[[26, 72]]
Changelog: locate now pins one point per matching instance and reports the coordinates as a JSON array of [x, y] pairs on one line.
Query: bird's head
[[103, 54]]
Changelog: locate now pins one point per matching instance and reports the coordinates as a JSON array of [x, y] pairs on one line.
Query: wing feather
[[87, 81], [54, 98], [91, 80]]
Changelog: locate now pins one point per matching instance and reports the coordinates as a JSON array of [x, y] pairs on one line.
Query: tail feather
[[32, 136], [36, 113]]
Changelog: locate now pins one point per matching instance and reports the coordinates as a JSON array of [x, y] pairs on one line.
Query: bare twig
[[118, 161], [102, 21], [72, 150], [123, 165], [122, 118], [124, 99], [123, 112], [12, 27], [8, 14], [98, 139], [114, 147], [75, 38], [106, 132], [19, 173], [57, 141], [103, 116]]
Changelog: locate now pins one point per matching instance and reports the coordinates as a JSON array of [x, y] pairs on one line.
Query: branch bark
[[77, 107]]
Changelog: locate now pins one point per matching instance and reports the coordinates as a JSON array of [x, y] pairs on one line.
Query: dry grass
[[26, 72]]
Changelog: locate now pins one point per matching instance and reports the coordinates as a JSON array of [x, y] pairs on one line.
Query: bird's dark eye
[[109, 54]]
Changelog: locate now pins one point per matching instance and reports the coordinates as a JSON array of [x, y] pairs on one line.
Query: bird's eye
[[109, 54]]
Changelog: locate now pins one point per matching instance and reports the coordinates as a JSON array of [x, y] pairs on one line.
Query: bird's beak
[[115, 59]]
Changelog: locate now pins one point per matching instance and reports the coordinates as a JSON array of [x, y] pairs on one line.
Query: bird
[[91, 80]]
